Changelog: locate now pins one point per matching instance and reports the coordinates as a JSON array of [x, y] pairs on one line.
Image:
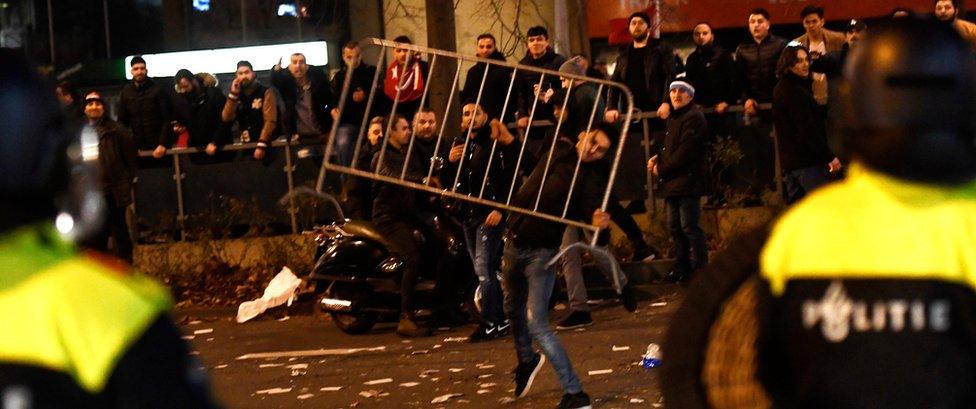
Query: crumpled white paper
[[280, 290]]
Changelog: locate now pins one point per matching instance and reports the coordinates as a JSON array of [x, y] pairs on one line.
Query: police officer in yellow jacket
[[76, 330], [864, 293]]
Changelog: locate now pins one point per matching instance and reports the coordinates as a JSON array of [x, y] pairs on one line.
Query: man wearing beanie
[[683, 178], [646, 66], [117, 169], [254, 108], [144, 108]]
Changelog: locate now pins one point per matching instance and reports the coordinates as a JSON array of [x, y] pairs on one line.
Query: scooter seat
[[366, 229]]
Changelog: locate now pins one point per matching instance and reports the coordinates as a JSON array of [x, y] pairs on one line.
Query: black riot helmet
[[34, 166], [909, 102]]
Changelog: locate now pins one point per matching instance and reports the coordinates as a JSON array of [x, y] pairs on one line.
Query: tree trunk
[[441, 34]]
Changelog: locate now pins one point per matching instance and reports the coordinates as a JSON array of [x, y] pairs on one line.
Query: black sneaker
[[575, 319], [484, 332], [575, 401], [525, 373], [628, 299]]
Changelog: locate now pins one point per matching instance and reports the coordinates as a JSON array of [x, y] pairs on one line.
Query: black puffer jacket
[[681, 164], [799, 125], [495, 90], [711, 71], [756, 68], [146, 110], [199, 111]]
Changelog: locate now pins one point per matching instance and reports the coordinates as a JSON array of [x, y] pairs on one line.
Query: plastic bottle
[[652, 359]]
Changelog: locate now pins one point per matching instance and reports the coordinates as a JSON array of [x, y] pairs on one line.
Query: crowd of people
[[786, 86]]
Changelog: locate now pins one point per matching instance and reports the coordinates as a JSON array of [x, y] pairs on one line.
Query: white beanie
[[683, 86]]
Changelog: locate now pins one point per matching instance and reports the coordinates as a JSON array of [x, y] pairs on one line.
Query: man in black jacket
[[253, 106], [307, 95], [681, 167], [711, 70], [144, 108], [117, 168], [196, 111], [355, 109], [531, 94], [755, 78], [483, 227], [396, 213], [496, 84], [805, 156]]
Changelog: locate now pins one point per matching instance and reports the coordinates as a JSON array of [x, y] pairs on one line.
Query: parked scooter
[[357, 275]]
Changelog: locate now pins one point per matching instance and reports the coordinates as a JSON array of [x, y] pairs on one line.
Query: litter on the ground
[[409, 384], [600, 372], [659, 304], [428, 372], [378, 381], [270, 365], [618, 349], [203, 331], [506, 400], [445, 398], [370, 393], [456, 370], [635, 400], [306, 396], [309, 353], [279, 291], [285, 318], [484, 366], [456, 339], [487, 385], [483, 391], [197, 322], [487, 375], [188, 337], [273, 391], [437, 346], [331, 389], [222, 366], [298, 366], [420, 352]]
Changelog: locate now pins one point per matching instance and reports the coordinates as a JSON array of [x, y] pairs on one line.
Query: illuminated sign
[[224, 60]]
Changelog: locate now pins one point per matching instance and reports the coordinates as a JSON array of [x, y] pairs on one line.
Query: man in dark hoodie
[[355, 109], [483, 227], [144, 108], [196, 111], [495, 85], [530, 93], [532, 242]]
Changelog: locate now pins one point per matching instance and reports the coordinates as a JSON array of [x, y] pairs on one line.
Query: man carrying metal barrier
[[567, 187]]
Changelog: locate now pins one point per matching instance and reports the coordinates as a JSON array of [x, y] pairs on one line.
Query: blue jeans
[[799, 182], [528, 285], [345, 143], [684, 213], [485, 247]]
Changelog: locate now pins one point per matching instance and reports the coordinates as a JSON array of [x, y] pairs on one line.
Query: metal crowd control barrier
[[459, 59], [179, 156]]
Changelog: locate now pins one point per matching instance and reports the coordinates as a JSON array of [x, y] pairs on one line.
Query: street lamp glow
[[224, 60]]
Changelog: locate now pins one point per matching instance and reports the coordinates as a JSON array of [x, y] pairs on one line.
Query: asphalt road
[[308, 362]]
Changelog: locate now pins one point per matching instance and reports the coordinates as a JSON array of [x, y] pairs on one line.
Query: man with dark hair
[[948, 11], [711, 71], [396, 213], [805, 156], [196, 112], [117, 168], [253, 106], [647, 67], [530, 93], [833, 63], [72, 106], [144, 108], [351, 117], [306, 95], [496, 83], [406, 79], [755, 79], [819, 41]]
